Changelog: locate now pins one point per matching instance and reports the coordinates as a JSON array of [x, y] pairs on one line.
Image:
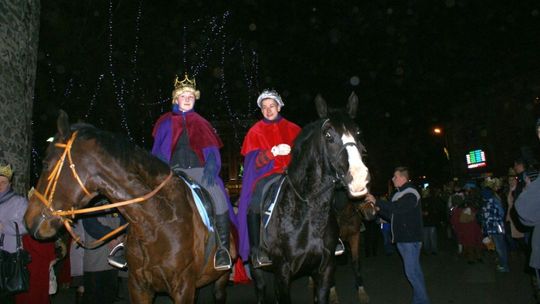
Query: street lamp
[[438, 131]]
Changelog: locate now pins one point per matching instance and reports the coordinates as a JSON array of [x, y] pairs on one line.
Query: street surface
[[449, 279]]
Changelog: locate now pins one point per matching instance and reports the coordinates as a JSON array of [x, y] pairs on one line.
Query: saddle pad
[[198, 202]]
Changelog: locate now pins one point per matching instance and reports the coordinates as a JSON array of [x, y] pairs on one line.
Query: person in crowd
[[12, 209], [76, 262], [266, 150], [187, 142], [513, 222], [493, 215], [519, 168], [467, 230], [42, 257], [405, 214], [527, 206], [431, 219], [454, 200], [100, 279], [389, 247]]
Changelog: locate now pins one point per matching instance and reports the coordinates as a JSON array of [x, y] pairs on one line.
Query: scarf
[[4, 197]]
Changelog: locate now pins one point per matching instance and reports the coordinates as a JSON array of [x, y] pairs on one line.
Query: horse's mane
[[128, 154], [306, 149]]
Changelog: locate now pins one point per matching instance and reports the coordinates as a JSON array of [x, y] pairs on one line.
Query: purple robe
[[251, 175]]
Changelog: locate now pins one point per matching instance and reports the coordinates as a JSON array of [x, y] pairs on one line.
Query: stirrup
[[340, 248], [112, 256], [227, 265], [258, 263]]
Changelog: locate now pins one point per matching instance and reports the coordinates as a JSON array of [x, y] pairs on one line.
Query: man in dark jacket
[[405, 214]]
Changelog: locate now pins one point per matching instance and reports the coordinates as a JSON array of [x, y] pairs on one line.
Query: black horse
[[302, 233]]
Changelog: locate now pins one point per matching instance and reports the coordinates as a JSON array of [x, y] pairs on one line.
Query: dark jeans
[[100, 287], [501, 248], [410, 253]]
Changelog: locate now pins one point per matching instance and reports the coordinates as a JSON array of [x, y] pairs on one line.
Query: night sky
[[469, 67]]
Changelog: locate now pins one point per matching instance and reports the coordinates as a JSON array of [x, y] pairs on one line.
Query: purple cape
[[251, 175], [163, 142]]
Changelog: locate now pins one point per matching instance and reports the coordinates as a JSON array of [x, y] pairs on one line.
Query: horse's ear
[[352, 106], [63, 125], [322, 108]]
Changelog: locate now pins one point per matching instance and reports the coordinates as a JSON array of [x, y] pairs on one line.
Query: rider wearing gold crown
[[188, 142]]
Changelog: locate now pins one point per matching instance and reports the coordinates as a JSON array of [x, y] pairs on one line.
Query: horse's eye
[[329, 137]]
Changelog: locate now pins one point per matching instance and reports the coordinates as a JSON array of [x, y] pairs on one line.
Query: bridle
[[47, 197], [339, 176]]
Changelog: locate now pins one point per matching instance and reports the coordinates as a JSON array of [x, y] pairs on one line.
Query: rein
[[306, 200], [47, 197], [334, 181]]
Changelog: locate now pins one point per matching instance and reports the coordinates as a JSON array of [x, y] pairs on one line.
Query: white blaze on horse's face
[[357, 169]]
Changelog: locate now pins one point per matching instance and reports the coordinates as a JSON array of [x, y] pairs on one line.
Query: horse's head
[[60, 185], [343, 146]]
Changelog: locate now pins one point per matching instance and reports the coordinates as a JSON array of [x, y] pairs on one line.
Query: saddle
[[205, 207], [270, 198], [202, 198]]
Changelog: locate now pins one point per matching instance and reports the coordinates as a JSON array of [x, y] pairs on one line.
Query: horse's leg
[[220, 288], [282, 283], [325, 283], [257, 275], [185, 293], [312, 286], [139, 294], [354, 242]]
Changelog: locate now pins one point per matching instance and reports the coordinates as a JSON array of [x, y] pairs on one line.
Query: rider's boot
[[222, 259], [117, 258], [340, 248], [259, 258]]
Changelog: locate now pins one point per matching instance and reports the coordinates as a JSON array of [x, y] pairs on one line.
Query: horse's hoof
[[333, 298], [363, 297]]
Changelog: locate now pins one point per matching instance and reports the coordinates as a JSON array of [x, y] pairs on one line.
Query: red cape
[[200, 131], [264, 135]]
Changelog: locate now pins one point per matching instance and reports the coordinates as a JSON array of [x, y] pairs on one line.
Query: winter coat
[[405, 214]]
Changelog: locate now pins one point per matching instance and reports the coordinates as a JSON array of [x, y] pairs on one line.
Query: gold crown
[[186, 85], [6, 171]]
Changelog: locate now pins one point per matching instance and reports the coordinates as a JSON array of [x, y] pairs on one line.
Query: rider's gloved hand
[[210, 170], [281, 149]]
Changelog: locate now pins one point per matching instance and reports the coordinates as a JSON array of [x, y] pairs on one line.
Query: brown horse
[[167, 248], [350, 223]]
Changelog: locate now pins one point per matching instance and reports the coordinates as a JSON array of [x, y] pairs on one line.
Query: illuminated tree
[[19, 21]]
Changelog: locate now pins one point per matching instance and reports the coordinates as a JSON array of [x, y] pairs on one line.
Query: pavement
[[449, 279]]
